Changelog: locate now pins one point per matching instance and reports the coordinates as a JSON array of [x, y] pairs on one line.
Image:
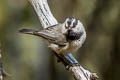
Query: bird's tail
[[40, 33], [49, 35], [28, 31]]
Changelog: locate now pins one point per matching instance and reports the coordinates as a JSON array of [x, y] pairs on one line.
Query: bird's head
[[75, 29]]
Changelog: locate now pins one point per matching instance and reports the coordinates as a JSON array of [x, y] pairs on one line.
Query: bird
[[62, 38]]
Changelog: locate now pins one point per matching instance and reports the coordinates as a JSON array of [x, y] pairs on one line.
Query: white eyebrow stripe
[[71, 23]]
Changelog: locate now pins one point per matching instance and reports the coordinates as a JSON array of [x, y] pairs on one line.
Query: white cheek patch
[[76, 28]]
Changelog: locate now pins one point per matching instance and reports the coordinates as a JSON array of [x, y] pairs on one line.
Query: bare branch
[[47, 19], [80, 73], [43, 11]]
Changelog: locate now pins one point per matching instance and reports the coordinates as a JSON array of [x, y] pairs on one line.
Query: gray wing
[[57, 27], [50, 34]]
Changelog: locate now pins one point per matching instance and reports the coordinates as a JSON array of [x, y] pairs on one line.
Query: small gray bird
[[63, 38]]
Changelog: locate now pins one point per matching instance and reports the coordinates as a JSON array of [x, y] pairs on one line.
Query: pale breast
[[70, 48]]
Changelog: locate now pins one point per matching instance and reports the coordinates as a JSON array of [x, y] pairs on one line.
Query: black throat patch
[[74, 36]]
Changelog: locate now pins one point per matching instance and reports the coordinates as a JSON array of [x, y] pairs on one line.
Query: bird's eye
[[75, 23], [68, 22]]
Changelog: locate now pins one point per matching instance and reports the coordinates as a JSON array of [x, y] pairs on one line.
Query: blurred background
[[27, 57]]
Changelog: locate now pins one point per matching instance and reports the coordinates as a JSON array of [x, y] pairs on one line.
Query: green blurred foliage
[[27, 57]]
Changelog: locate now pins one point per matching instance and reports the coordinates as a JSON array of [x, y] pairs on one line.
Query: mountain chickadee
[[63, 38]]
